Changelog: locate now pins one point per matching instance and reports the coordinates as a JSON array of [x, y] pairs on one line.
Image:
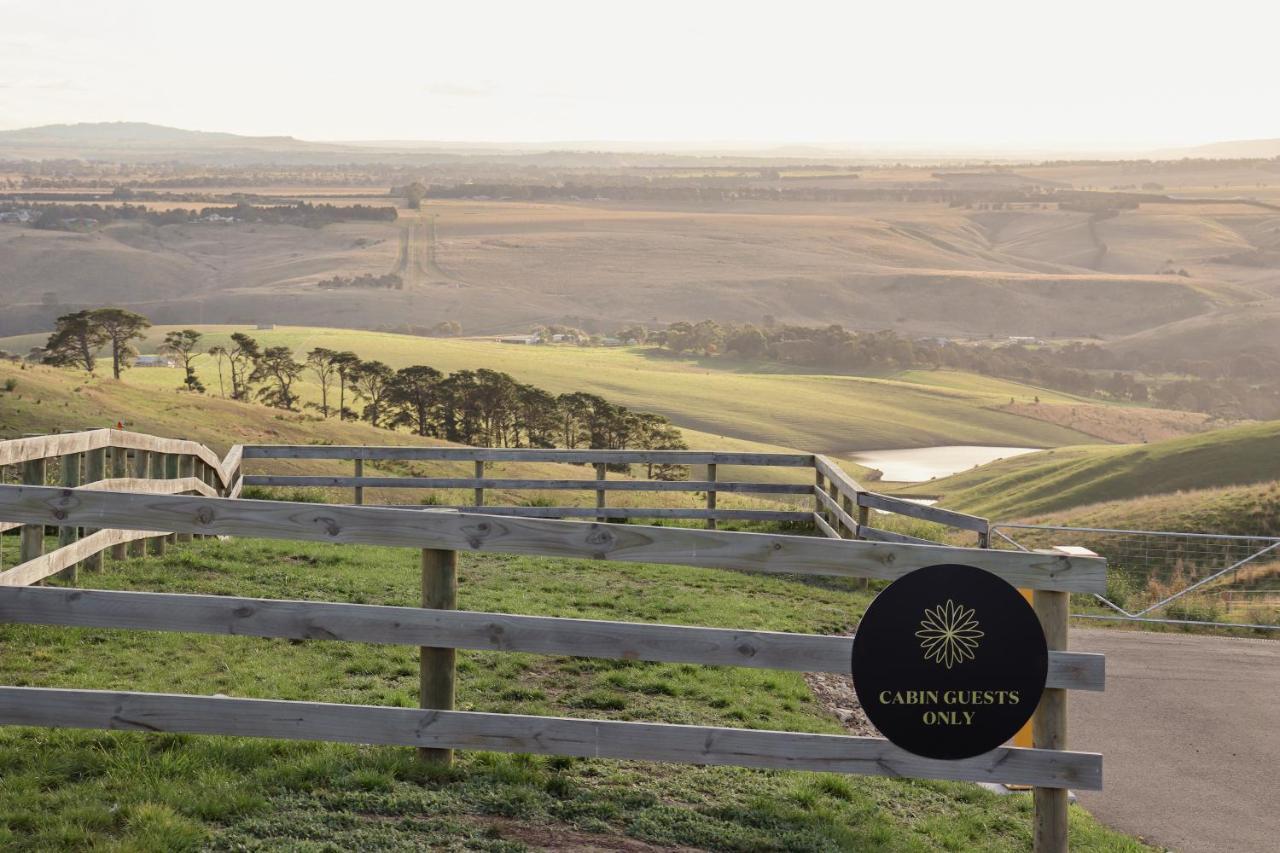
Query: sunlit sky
[[1056, 74]]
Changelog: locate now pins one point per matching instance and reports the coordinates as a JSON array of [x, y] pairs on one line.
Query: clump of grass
[[267, 493]]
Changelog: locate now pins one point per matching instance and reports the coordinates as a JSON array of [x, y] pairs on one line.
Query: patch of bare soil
[[835, 693], [560, 838], [1119, 424]]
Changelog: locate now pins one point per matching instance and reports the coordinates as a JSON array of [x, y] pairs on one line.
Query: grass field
[[810, 411], [1039, 483], [137, 792]]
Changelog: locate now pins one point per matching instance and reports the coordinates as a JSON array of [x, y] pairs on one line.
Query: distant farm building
[[520, 339], [154, 361], [265, 327]]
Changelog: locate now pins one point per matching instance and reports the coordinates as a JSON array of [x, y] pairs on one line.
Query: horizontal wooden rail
[[48, 565], [460, 629], [152, 487], [825, 528], [708, 745], [507, 454], [875, 534], [764, 552], [622, 512], [923, 512], [828, 468], [19, 450], [526, 484]]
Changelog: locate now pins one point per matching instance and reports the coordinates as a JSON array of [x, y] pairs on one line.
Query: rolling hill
[[501, 266], [1070, 477], [760, 403]]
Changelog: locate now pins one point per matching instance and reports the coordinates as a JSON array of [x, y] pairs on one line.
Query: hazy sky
[[1060, 74]]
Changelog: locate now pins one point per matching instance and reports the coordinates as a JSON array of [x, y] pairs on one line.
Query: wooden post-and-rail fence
[[199, 497]]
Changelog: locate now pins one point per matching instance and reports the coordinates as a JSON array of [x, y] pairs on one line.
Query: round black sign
[[949, 661]]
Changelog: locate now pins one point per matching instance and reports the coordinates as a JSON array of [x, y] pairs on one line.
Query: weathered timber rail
[[841, 507], [143, 488]]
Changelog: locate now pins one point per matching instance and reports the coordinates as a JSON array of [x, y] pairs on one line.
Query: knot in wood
[[330, 526], [601, 536], [59, 514], [204, 516]]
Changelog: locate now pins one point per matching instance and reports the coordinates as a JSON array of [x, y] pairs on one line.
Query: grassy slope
[[1249, 510], [48, 399], [1073, 476], [815, 412], [132, 791]]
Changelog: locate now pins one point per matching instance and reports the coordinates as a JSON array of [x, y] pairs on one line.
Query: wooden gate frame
[[1053, 575]]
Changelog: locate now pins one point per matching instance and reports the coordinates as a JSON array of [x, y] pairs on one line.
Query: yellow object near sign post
[[1023, 737]]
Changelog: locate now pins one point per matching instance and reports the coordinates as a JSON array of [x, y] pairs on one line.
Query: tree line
[[61, 217], [484, 408]]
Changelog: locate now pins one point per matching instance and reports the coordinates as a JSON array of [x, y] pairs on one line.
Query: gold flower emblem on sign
[[949, 634]]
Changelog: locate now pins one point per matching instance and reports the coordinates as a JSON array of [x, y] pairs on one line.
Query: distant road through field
[[1189, 729]]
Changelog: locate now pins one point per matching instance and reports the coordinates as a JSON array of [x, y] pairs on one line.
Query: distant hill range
[[130, 141], [142, 142]]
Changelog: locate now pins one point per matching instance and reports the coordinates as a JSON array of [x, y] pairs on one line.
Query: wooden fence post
[[479, 476], [600, 475], [1049, 727], [32, 544], [820, 485], [170, 473], [141, 471], [157, 463], [359, 489], [832, 491], [119, 469], [711, 494], [69, 476], [436, 666], [185, 465], [95, 469], [212, 480]]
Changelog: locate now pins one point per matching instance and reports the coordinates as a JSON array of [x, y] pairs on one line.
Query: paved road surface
[[1189, 729]]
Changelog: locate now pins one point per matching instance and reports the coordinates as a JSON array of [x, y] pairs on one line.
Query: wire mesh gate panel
[[1168, 576]]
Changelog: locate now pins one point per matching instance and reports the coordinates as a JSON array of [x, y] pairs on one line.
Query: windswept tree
[[220, 355], [651, 431], [322, 364], [537, 416], [120, 328], [346, 363], [372, 381], [183, 345], [75, 341], [243, 357], [278, 369], [415, 394]]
